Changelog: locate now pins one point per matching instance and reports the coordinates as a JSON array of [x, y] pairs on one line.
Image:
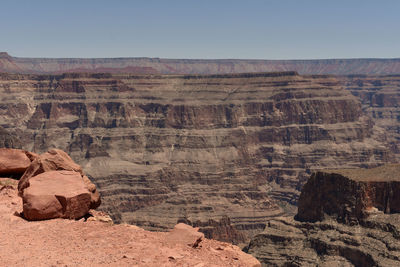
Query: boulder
[[56, 160], [13, 162], [56, 194], [185, 234]]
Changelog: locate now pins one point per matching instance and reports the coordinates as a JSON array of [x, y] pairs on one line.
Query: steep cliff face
[[350, 195], [196, 66], [345, 218], [164, 147]]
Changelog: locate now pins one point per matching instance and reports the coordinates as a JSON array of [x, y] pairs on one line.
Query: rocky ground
[[61, 242]]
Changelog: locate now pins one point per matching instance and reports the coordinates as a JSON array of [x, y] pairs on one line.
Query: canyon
[[223, 152], [145, 65], [346, 217]]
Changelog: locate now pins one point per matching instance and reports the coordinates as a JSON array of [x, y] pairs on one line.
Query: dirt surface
[[61, 242], [386, 173]]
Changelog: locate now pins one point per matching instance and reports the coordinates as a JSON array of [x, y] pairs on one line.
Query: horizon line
[[203, 59]]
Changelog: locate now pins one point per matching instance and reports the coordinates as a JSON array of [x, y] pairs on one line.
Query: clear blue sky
[[254, 29]]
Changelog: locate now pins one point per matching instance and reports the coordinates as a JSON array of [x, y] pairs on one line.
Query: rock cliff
[[345, 218], [350, 195], [196, 66], [200, 147]]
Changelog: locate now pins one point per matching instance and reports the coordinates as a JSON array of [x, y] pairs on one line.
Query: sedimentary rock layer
[[167, 147], [196, 66], [350, 195], [380, 98], [345, 218], [286, 242]]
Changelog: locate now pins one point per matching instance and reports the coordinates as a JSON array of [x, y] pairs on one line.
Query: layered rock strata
[[380, 98], [164, 147], [348, 218], [195, 66], [350, 195]]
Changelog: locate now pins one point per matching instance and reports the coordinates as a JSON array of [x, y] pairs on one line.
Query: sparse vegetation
[[6, 183]]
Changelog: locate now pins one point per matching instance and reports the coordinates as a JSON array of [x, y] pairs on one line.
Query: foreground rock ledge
[[60, 242]]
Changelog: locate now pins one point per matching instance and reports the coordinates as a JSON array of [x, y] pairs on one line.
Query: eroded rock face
[[163, 147], [350, 195], [286, 242], [347, 218], [56, 194]]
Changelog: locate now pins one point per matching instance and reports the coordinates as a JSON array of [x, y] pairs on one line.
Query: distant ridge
[[142, 65]]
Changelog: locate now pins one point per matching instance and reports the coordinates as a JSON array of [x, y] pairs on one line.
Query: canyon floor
[[61, 242]]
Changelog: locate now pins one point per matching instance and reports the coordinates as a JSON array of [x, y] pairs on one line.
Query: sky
[[206, 29]]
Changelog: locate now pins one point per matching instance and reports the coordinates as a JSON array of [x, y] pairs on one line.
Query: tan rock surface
[[56, 194], [61, 242], [185, 234]]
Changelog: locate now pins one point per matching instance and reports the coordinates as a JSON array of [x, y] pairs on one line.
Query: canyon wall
[[380, 98], [196, 66], [163, 148], [345, 218]]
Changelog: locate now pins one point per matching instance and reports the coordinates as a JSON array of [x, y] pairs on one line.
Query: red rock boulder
[[185, 234], [56, 194], [57, 160], [13, 162]]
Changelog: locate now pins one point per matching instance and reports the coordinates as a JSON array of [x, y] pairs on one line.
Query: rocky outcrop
[[200, 147], [350, 195], [347, 218], [95, 243], [196, 66], [56, 194], [57, 160]]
